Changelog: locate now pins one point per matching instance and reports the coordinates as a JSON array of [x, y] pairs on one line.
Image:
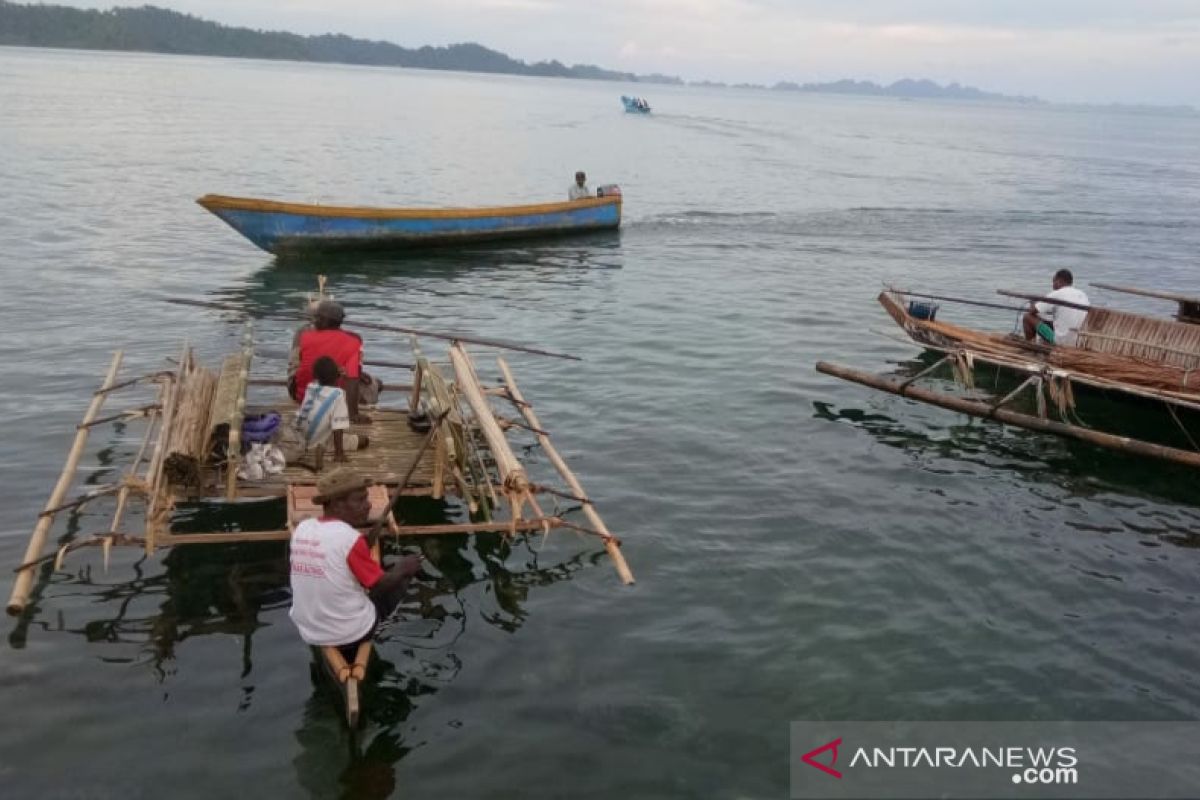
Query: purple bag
[[260, 427]]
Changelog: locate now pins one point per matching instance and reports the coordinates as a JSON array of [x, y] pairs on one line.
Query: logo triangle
[[810, 757]]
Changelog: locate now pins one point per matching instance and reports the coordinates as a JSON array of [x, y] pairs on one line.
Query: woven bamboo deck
[[393, 447]]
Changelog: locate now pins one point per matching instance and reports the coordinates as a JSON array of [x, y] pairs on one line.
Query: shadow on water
[[1078, 467], [239, 590], [276, 285]]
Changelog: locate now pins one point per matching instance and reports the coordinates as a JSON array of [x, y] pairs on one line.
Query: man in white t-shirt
[[1056, 323], [579, 189], [340, 594]]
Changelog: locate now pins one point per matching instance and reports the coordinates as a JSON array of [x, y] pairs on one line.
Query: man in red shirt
[[340, 594], [326, 338]]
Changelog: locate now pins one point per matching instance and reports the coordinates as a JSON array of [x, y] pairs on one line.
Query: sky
[[1100, 51]]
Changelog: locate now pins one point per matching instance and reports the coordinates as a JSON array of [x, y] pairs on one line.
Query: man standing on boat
[[579, 189], [326, 338], [1055, 323], [340, 594]]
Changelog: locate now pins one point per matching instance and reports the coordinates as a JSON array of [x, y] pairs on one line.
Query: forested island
[[159, 30]]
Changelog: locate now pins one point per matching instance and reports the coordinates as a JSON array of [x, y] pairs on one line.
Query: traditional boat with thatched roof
[[445, 438], [1118, 352]]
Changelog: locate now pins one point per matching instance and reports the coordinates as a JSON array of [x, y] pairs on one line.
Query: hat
[[338, 482], [330, 310]]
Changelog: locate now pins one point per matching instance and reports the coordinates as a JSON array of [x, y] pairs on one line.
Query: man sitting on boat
[[326, 338], [323, 418], [579, 189], [1055, 323], [340, 595]]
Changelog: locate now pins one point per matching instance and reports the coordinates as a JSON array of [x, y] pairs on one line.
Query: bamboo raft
[[1116, 351], [191, 451]]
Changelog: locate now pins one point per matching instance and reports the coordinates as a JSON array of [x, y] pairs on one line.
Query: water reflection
[[240, 590], [1084, 470], [276, 285]]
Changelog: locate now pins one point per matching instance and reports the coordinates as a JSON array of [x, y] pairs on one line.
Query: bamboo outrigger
[[456, 445], [1116, 351]]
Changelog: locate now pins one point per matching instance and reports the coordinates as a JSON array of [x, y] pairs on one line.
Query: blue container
[[919, 310]]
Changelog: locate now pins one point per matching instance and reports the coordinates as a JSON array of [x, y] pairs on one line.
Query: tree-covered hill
[[159, 30]]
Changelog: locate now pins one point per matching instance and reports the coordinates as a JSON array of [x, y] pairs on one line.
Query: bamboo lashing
[[449, 337], [37, 539], [610, 543]]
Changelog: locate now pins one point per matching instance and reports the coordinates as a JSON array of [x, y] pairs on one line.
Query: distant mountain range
[[160, 30], [907, 87]]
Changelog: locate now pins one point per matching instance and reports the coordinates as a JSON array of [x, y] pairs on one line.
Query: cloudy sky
[[1071, 50]]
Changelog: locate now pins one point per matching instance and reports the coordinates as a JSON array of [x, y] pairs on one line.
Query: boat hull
[[292, 227], [632, 107]]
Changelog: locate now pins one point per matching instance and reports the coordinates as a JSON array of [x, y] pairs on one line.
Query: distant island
[[159, 30]]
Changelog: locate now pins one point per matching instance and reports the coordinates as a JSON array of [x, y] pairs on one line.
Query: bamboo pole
[[414, 398], [154, 470], [450, 528], [86, 497], [375, 326], [1175, 296], [233, 452], [963, 300], [37, 539], [1054, 301], [610, 542], [512, 473], [975, 408]]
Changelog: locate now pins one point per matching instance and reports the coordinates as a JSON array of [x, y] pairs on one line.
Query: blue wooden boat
[[294, 227], [633, 106]]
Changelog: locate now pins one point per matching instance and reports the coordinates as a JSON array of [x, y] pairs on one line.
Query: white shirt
[[322, 411], [329, 605], [578, 192], [1067, 321]]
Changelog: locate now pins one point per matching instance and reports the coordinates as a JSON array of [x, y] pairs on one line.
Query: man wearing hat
[[326, 338], [340, 594]]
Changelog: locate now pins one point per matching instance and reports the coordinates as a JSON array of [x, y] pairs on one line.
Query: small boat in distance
[[635, 105], [280, 227]]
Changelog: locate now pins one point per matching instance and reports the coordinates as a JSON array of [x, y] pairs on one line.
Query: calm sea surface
[[805, 548]]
